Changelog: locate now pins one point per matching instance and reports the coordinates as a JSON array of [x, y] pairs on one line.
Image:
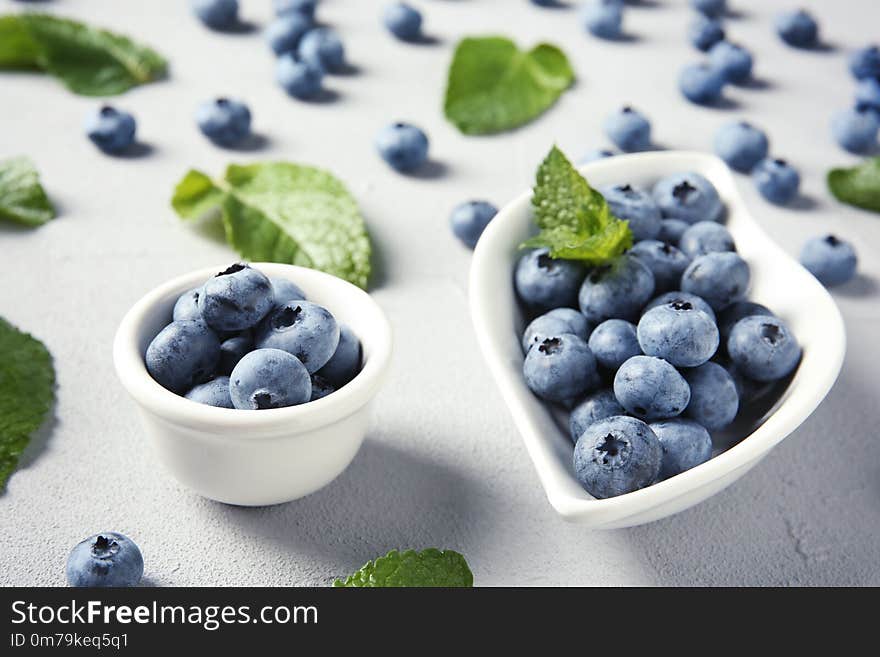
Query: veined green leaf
[[22, 197]]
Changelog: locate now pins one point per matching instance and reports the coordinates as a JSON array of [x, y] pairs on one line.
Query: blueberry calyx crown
[[550, 346], [262, 400], [221, 102], [682, 190], [104, 547], [832, 240], [771, 333], [546, 262], [106, 110], [231, 269], [780, 163], [679, 304], [287, 317], [611, 448], [667, 248], [627, 109]]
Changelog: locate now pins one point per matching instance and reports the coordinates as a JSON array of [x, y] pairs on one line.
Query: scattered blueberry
[[777, 180], [678, 332], [614, 342], [109, 559], [561, 368], [285, 32], [224, 121], [403, 146], [798, 28], [543, 283], [304, 7], [856, 129], [651, 388], [635, 206], [868, 95], [299, 79], [236, 298], [596, 406], [111, 130], [184, 354], [554, 323], [681, 297], [269, 378], [831, 260], [603, 18], [284, 290], [345, 362], [689, 197], [705, 32], [741, 145], [732, 60], [865, 63], [701, 83], [321, 47], [470, 219], [714, 398], [216, 14], [303, 329], [616, 291], [671, 230], [763, 348], [213, 393], [629, 130], [710, 8], [706, 237], [403, 21], [685, 445], [233, 350], [719, 278], [666, 262]]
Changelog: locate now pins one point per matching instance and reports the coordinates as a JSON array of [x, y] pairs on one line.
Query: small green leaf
[[22, 197], [196, 195], [88, 60], [575, 221], [859, 185], [428, 568], [27, 381], [493, 86]]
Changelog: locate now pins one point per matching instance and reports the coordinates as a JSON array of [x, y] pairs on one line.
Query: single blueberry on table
[[710, 8], [284, 290], [603, 18], [184, 354], [616, 291], [685, 445], [303, 329], [304, 7], [680, 297], [689, 197], [678, 332], [594, 407], [865, 63], [187, 305], [213, 393], [554, 323], [635, 206], [868, 95], [720, 278], [299, 79], [732, 60], [233, 350], [831, 260], [797, 28], [403, 21], [595, 154], [741, 145], [235, 299], [216, 14], [763, 348], [628, 129], [714, 397], [701, 83], [470, 219], [856, 129], [777, 180], [671, 230], [617, 455], [561, 368], [269, 378], [284, 33], [403, 146], [705, 32], [666, 262], [706, 237], [109, 559], [737, 311], [321, 387], [224, 121], [614, 342], [322, 47], [110, 129], [345, 363], [651, 388], [543, 283]]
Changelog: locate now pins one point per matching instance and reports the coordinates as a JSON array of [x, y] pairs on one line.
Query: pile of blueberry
[[656, 350], [243, 340]]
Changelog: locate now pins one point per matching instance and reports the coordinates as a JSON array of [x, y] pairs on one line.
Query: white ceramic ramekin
[[253, 458], [778, 282]]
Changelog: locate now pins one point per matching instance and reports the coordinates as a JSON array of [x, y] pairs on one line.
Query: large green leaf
[[493, 86], [859, 185], [22, 198], [428, 568]]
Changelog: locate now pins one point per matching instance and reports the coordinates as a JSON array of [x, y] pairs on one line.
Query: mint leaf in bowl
[[858, 186], [428, 568], [22, 197]]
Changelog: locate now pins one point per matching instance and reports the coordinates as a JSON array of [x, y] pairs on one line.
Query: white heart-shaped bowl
[[778, 282]]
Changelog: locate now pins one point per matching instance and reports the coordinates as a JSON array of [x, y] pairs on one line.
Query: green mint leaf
[[493, 86], [858, 186], [428, 568], [22, 198], [88, 60], [284, 212], [575, 221], [27, 382]]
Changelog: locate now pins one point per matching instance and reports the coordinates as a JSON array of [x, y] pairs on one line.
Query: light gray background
[[443, 465]]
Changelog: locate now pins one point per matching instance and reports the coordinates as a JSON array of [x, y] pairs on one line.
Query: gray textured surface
[[443, 465]]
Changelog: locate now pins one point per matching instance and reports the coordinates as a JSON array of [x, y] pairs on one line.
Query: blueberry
[[321, 387], [304, 329], [233, 350], [187, 305], [865, 63], [671, 230], [111, 130], [109, 559], [561, 368], [833, 261], [403, 146], [224, 121], [603, 18], [618, 290], [719, 278], [635, 206], [403, 21], [286, 7], [613, 342], [797, 28], [856, 129], [666, 262], [689, 197], [714, 397], [710, 8], [737, 311], [321, 47], [617, 455], [629, 130], [731, 60], [741, 145], [595, 154], [236, 298], [685, 445], [299, 79], [868, 95], [284, 290], [285, 32], [706, 237], [596, 406], [345, 362], [269, 378], [763, 348], [705, 32], [213, 393], [701, 83], [577, 323], [777, 180], [470, 219], [681, 297], [216, 14], [554, 323], [678, 332], [184, 354], [543, 282], [651, 388]]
